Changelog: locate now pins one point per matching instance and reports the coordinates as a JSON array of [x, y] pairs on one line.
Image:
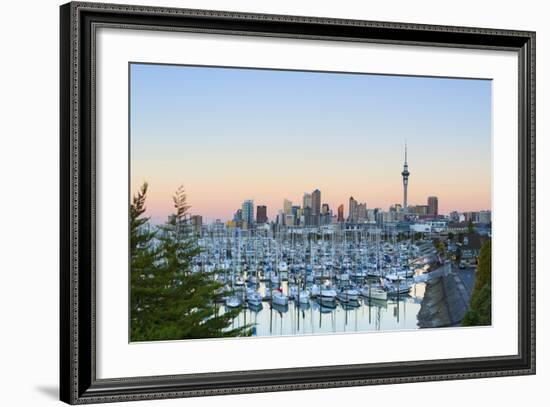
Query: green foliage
[[169, 301], [440, 247], [479, 312]]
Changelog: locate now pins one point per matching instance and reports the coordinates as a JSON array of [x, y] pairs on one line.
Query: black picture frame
[[78, 382]]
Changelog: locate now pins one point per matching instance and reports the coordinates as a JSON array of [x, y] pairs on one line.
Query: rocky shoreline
[[445, 302]]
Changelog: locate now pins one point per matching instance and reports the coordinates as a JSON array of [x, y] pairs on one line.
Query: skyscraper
[[287, 210], [307, 203], [405, 174], [238, 216], [261, 214], [352, 216], [341, 213], [432, 205], [316, 206], [316, 202], [248, 212], [361, 212]]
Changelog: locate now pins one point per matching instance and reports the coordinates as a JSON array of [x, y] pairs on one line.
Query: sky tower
[[405, 175]]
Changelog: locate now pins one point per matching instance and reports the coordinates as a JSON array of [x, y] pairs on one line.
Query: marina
[[317, 280]]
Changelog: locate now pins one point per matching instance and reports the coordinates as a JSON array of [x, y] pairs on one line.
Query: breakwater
[[446, 299]]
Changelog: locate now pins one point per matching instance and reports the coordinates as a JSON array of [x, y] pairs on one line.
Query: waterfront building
[[405, 174], [420, 228], [261, 214], [471, 217], [470, 246], [429, 227], [248, 212], [340, 213], [457, 227], [454, 216], [484, 217], [432, 205]]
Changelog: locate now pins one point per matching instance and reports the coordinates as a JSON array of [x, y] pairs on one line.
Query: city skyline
[[275, 135]]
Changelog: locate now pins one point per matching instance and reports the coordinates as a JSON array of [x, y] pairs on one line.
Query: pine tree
[[180, 300], [479, 312], [143, 259]]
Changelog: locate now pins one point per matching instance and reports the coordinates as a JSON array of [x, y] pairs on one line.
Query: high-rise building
[[325, 209], [352, 215], [361, 212], [238, 216], [299, 217], [248, 212], [405, 174], [316, 207], [279, 220], [196, 222], [307, 202], [371, 215], [432, 205], [341, 213], [307, 216], [287, 207], [421, 210], [316, 202], [261, 214], [289, 220]]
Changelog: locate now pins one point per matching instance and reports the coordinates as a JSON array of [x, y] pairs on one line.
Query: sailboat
[[278, 297]]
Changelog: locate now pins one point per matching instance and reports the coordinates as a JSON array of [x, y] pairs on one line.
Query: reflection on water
[[397, 313]]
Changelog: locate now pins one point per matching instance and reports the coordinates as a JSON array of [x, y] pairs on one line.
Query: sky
[[230, 134]]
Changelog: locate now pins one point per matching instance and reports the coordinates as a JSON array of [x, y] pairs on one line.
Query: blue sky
[[270, 135]]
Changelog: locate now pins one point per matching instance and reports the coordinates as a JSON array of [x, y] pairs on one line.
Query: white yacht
[[328, 294], [233, 302], [303, 297], [374, 292], [279, 298], [349, 294], [253, 297]]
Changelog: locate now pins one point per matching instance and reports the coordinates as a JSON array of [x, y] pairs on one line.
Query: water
[[366, 315]]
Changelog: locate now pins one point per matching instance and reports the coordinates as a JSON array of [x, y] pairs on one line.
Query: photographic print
[[271, 202]]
